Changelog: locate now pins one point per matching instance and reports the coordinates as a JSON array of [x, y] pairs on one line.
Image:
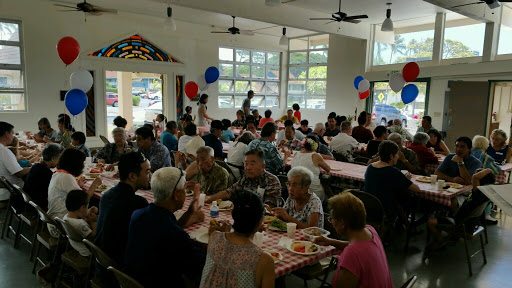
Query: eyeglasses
[[175, 186], [293, 185]]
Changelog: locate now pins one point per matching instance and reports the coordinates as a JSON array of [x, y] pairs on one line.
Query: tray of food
[[304, 248], [312, 233]]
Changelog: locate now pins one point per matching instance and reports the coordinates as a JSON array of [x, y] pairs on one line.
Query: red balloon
[[191, 89], [68, 49], [364, 95], [411, 71]]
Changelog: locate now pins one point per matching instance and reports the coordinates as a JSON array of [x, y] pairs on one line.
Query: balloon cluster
[[363, 87], [210, 76], [81, 81], [397, 81]]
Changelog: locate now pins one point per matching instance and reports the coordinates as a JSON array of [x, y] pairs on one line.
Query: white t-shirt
[[60, 185], [8, 167], [344, 144], [194, 144], [81, 226], [182, 142], [236, 156]]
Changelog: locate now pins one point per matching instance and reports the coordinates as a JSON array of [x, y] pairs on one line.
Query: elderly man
[[291, 142], [397, 128], [158, 248], [426, 124], [419, 146], [157, 154], [212, 139], [111, 152], [458, 167], [319, 131], [281, 135], [344, 143], [331, 130], [9, 166], [255, 179], [210, 175], [407, 159], [274, 162]]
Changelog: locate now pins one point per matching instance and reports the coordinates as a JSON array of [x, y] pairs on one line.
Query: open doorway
[[135, 96], [501, 114]]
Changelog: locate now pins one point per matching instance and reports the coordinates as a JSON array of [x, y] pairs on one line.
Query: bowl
[[307, 233]]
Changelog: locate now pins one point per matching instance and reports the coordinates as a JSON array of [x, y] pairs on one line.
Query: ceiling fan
[[234, 31], [86, 8], [491, 3], [341, 16]]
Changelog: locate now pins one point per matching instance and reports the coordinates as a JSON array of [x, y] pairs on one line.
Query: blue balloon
[[212, 74], [409, 93], [75, 101], [357, 80]]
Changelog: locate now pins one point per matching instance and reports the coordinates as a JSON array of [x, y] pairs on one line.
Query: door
[[467, 108]]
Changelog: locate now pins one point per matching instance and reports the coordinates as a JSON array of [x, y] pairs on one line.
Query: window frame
[[307, 65], [15, 67], [250, 79]]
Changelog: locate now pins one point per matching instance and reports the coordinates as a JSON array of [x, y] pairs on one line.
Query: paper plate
[[203, 238]]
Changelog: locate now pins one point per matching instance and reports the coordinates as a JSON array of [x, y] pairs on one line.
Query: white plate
[[275, 260], [189, 193], [225, 205], [203, 238], [307, 243], [335, 169]]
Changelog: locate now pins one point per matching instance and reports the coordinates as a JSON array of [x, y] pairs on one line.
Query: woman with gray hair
[[111, 153], [236, 153], [302, 207], [480, 143], [419, 146]]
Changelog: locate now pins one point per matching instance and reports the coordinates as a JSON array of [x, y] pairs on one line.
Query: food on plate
[[214, 222], [102, 187], [279, 225], [424, 179], [314, 232], [268, 219], [453, 185], [189, 192], [96, 171], [276, 255], [301, 247], [100, 165]]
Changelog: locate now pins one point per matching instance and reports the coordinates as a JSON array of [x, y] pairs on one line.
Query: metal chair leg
[[36, 260], [483, 248], [17, 237], [5, 231], [34, 240], [468, 257]]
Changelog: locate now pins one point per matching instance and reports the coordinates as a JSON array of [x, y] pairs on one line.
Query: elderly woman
[[498, 149], [236, 153], [302, 207], [386, 182], [233, 260], [308, 158], [111, 153], [480, 143], [419, 146], [362, 261], [45, 129], [437, 143]]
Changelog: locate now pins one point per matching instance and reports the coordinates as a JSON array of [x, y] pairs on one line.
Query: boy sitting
[[81, 218], [78, 141]]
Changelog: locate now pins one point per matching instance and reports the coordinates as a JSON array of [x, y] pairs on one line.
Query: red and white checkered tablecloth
[[430, 192], [290, 262], [502, 178]]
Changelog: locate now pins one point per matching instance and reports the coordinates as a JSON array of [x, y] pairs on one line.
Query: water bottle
[[214, 210]]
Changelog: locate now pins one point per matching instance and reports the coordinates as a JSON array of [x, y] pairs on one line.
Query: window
[[307, 82], [505, 39], [412, 40], [388, 105], [12, 85], [242, 70], [463, 37]]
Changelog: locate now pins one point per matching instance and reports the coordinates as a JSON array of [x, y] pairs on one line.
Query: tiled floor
[[446, 269]]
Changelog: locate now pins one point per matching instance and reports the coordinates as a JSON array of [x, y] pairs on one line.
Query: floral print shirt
[[314, 205], [270, 183]]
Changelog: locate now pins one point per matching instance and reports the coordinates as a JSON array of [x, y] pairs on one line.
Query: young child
[[81, 218], [78, 141], [227, 134], [296, 112], [159, 123], [25, 158], [240, 121]]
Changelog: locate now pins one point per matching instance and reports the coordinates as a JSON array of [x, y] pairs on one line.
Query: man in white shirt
[[9, 167], [344, 143], [281, 135]]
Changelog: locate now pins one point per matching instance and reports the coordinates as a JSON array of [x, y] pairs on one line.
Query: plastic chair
[[104, 139], [124, 280], [43, 237], [101, 258], [374, 209]]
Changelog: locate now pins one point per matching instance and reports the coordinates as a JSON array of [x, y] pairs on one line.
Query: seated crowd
[[172, 157]]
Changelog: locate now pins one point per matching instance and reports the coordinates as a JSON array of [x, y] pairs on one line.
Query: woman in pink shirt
[[363, 262]]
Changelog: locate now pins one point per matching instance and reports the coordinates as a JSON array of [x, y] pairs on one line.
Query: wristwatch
[[460, 163]]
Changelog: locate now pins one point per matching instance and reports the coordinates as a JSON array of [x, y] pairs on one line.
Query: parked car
[[153, 102], [137, 91], [155, 95], [112, 99], [152, 111], [382, 113]]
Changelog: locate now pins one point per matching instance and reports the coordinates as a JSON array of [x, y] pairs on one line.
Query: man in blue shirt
[[274, 162], [159, 251], [458, 167], [212, 139], [167, 137], [155, 152]]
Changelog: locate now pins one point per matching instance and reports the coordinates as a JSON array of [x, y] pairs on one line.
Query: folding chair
[[124, 280], [102, 258]]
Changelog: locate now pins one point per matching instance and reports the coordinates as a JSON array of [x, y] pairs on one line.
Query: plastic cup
[[258, 239], [440, 184], [290, 230], [202, 196], [433, 179]]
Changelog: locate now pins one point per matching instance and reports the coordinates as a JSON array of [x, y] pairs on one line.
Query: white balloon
[[364, 85], [396, 82], [201, 82], [82, 80]]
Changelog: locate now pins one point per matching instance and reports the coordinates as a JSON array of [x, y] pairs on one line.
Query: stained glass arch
[[134, 47]]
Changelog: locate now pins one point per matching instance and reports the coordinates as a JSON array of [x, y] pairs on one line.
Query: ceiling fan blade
[[289, 1], [246, 33], [355, 17], [462, 5], [322, 19], [105, 10], [352, 21], [329, 22], [66, 6], [220, 32], [67, 10]]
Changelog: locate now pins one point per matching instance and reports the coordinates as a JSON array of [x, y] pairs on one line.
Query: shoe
[[490, 220]]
